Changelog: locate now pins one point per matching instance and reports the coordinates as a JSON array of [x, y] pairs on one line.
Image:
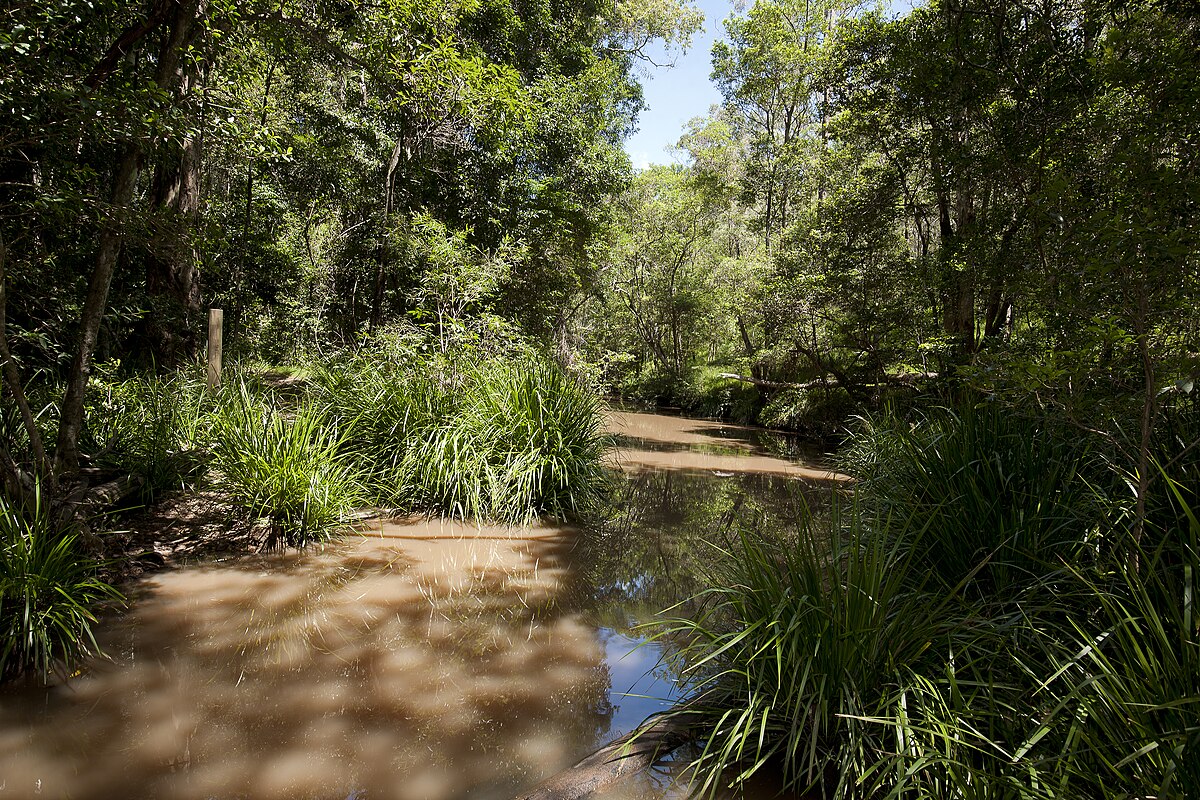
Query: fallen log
[[765, 384], [617, 761], [77, 509], [899, 379], [107, 494]]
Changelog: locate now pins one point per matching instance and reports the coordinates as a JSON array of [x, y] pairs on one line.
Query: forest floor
[[187, 525]]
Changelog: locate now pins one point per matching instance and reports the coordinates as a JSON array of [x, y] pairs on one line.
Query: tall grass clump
[[386, 407], [797, 650], [47, 594], [976, 636], [1125, 681], [525, 441], [1001, 496], [504, 437], [287, 466], [149, 425]]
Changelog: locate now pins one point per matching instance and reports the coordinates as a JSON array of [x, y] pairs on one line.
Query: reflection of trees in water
[[658, 546]]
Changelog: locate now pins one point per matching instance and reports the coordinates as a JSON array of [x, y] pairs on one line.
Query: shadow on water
[[424, 659]]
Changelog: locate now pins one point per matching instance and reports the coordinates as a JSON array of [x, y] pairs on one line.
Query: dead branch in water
[[632, 753]]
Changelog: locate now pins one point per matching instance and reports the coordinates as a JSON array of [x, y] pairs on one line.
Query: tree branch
[[107, 65]]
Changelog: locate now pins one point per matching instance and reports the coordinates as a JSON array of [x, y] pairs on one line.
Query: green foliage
[[1126, 684], [388, 401], [1002, 196], [879, 656], [723, 398], [149, 425], [285, 465], [525, 441], [798, 649], [506, 437], [663, 292], [816, 411], [329, 168], [1004, 495], [48, 593], [770, 72]]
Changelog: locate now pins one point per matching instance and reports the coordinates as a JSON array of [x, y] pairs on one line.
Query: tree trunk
[[382, 252], [112, 231], [619, 762], [71, 415], [1149, 411], [171, 268], [745, 333], [16, 483]]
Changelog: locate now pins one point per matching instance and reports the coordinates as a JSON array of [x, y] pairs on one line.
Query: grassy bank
[[495, 434], [983, 620], [48, 593]]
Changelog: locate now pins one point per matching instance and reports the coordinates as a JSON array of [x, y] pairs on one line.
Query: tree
[[771, 74], [661, 277], [275, 158]]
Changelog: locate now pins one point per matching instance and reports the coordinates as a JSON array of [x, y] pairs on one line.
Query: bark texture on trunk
[[111, 234], [172, 265], [183, 16]]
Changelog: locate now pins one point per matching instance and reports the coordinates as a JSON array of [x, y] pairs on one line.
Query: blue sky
[[676, 94]]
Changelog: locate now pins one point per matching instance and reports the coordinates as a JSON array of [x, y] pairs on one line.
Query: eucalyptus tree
[[772, 74], [716, 147], [964, 102], [661, 304]]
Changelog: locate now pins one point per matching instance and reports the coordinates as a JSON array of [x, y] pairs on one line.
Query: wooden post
[[216, 320]]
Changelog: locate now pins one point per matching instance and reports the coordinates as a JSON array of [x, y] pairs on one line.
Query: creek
[[421, 658]]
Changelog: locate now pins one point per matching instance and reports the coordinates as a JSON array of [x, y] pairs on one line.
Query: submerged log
[[617, 761]]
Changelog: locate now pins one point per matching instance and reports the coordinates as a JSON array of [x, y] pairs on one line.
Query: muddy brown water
[[421, 659]]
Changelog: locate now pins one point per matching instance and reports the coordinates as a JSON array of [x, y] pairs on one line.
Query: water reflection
[[423, 659], [678, 444]]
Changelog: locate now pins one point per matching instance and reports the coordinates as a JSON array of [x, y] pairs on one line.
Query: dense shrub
[[149, 425], [526, 441], [712, 396], [47, 594], [818, 411], [496, 437], [979, 626], [1001, 497], [285, 465]]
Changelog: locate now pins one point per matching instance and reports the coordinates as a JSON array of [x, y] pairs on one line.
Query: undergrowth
[[48, 593], [495, 436], [978, 623], [149, 425], [504, 435], [287, 466]]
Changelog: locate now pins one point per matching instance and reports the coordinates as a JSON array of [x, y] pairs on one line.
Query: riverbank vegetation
[[970, 227], [984, 619], [492, 435], [329, 175], [987, 195]]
